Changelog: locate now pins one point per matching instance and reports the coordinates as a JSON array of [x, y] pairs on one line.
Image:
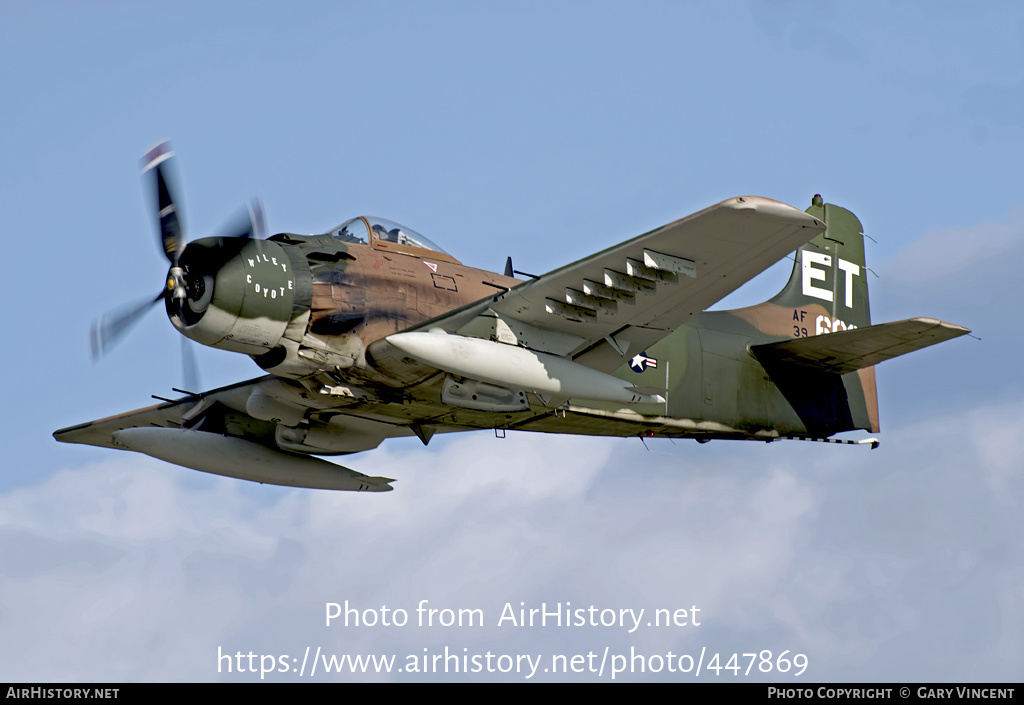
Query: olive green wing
[[601, 310]]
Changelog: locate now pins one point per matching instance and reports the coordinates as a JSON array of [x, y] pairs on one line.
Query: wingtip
[[772, 208], [953, 328]]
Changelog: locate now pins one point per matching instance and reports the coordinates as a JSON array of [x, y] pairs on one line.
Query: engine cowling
[[240, 294]]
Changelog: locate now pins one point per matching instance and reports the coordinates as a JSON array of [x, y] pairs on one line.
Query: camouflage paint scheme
[[315, 313]]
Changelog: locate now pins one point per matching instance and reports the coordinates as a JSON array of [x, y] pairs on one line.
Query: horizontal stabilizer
[[850, 350]]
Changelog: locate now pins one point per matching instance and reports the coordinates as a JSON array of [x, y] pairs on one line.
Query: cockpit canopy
[[363, 230]]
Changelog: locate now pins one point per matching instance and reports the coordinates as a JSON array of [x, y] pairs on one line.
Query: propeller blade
[[258, 217], [157, 161], [108, 330], [250, 222], [208, 255], [189, 366], [190, 273]]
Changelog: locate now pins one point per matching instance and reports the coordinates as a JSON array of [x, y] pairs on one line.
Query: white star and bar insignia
[[641, 362]]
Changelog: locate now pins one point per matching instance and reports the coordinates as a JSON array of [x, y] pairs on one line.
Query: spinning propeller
[[189, 283]]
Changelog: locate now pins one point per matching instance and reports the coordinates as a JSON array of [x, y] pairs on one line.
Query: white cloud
[[947, 255], [1000, 446], [133, 570]]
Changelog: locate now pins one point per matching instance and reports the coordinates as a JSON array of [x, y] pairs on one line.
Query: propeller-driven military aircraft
[[371, 331]]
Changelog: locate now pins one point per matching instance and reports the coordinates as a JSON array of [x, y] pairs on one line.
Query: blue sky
[[545, 131]]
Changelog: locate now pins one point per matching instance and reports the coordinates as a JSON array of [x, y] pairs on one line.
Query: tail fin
[[826, 293], [829, 272]]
